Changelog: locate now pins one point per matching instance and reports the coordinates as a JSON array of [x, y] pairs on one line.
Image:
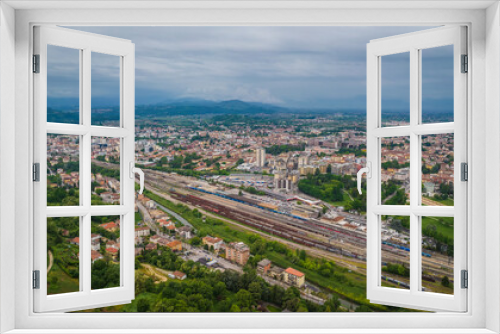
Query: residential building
[[212, 242], [113, 252], [175, 245], [294, 277], [185, 232], [95, 255], [110, 227], [142, 231], [178, 275], [238, 252], [263, 266]]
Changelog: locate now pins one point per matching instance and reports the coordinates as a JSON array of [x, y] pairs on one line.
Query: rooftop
[[294, 272]]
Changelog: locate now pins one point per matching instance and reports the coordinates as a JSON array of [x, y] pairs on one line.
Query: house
[[263, 266], [276, 273], [338, 220], [142, 231], [113, 252], [184, 232], [150, 204], [154, 239], [212, 242], [112, 244], [238, 252], [110, 227], [95, 255], [178, 275], [138, 250], [175, 245], [151, 246], [294, 277], [164, 222], [95, 241], [158, 214], [75, 241]]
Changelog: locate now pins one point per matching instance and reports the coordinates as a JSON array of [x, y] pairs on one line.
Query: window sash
[[414, 297], [87, 43]]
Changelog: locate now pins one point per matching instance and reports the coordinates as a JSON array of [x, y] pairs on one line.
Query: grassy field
[[344, 202], [138, 217], [272, 308], [64, 283], [443, 225], [448, 202]]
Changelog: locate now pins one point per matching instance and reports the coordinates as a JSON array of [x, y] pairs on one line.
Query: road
[[51, 261], [172, 213], [161, 274]]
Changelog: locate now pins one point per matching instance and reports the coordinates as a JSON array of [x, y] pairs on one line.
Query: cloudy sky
[[303, 67]]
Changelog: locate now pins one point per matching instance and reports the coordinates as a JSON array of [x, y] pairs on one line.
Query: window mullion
[[414, 169], [86, 180], [85, 256]]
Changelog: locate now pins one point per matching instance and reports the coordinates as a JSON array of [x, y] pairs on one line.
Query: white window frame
[[124, 51], [482, 18], [412, 44]]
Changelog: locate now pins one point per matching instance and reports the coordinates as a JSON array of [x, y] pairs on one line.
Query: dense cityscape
[[251, 213]]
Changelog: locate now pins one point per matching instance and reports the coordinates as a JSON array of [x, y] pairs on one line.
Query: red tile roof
[[294, 272]]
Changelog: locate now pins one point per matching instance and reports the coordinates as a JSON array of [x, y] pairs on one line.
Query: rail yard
[[339, 241]]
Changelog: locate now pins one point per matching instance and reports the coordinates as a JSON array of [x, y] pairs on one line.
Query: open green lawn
[[272, 308], [64, 283], [443, 225], [342, 203], [138, 217], [448, 202]]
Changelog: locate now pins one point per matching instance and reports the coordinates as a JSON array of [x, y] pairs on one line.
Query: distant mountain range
[[66, 110], [203, 107]]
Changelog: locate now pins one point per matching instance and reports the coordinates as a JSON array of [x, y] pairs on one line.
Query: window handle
[[368, 171], [133, 171]]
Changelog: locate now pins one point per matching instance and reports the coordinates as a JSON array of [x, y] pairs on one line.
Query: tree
[[302, 255], [235, 308], [256, 290], [142, 305], [333, 303], [445, 281], [244, 298], [329, 169]]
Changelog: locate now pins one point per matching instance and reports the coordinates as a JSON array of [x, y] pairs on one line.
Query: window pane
[[63, 251], [395, 170], [105, 171], [395, 89], [63, 85], [437, 170], [105, 251], [63, 170], [437, 254], [105, 89], [437, 84], [395, 243]]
